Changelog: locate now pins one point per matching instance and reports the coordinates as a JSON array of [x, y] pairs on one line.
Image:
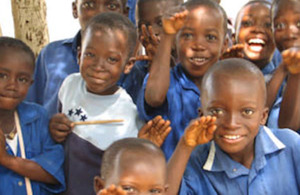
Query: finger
[[145, 129], [145, 33], [157, 119], [152, 35], [120, 191], [143, 57]]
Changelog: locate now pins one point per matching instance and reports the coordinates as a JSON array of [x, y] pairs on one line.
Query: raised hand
[[60, 127], [200, 131], [291, 59], [175, 22], [155, 130], [236, 51], [112, 190], [149, 40]]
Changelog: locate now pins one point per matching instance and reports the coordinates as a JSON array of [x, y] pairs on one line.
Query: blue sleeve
[[51, 158], [36, 91], [146, 112]]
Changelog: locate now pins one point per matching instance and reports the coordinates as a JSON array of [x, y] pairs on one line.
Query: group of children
[[103, 101]]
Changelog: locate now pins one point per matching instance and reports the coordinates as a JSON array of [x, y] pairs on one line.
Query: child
[[59, 59], [244, 154], [107, 44], [135, 166], [175, 94], [44, 158], [149, 17], [285, 16]]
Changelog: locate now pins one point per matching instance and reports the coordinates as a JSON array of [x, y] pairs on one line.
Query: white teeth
[[232, 137], [198, 59], [257, 41]]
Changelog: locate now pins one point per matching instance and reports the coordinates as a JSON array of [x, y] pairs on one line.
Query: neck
[[7, 120]]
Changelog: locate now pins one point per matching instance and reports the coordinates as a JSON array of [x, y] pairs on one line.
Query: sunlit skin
[[286, 21], [200, 41], [138, 175], [84, 10], [255, 33], [103, 59], [16, 72], [238, 103]]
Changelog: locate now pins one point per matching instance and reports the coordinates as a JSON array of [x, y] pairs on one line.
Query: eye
[[248, 112], [129, 189], [156, 191], [216, 112], [187, 36], [88, 55], [246, 23], [88, 5], [3, 76], [112, 6], [268, 25], [279, 26], [112, 60], [211, 37], [23, 80], [159, 23]]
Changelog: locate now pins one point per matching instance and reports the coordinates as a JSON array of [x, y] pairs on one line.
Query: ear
[[129, 65], [98, 184], [264, 116], [78, 55], [126, 11], [225, 44], [75, 9]]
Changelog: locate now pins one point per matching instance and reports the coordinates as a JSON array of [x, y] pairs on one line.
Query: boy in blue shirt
[[59, 59], [244, 156], [175, 94], [44, 159]]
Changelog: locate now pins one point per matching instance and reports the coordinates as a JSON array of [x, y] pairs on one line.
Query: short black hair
[[191, 4], [114, 21], [277, 3], [235, 67], [16, 44], [135, 145], [237, 18]]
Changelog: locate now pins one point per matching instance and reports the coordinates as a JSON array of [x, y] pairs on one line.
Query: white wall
[[61, 23]]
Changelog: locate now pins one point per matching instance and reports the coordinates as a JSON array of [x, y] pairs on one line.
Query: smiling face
[[139, 175], [103, 58], [238, 102], [16, 71], [201, 41], [84, 10], [287, 24], [255, 32]]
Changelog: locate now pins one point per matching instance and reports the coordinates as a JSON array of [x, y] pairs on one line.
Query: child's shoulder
[[31, 110], [288, 137]]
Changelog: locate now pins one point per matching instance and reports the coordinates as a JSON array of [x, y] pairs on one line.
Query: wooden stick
[[97, 122]]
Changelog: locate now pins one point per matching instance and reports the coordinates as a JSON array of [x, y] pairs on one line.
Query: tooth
[[256, 41], [232, 137]]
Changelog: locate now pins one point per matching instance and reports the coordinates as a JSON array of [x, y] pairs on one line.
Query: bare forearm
[[274, 84], [177, 165], [159, 75], [289, 116], [28, 168]]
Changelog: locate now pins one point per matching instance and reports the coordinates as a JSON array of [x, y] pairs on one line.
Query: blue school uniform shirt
[[181, 106], [133, 82], [274, 168], [55, 62], [40, 148]]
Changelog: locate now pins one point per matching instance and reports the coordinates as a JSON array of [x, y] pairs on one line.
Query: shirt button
[[20, 183], [234, 170]]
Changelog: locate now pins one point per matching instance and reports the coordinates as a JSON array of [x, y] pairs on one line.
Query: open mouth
[[256, 44], [232, 138], [198, 61]]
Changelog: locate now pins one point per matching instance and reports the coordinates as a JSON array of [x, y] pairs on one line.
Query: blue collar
[[30, 115], [269, 68], [75, 42], [185, 82], [265, 143]]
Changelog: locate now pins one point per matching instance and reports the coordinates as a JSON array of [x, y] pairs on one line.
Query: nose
[[198, 44], [12, 84], [292, 32], [99, 65], [231, 121]]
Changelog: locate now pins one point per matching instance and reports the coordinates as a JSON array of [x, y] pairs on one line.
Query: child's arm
[[159, 74], [200, 131], [60, 127], [289, 115], [236, 51], [112, 190], [24, 167], [155, 130]]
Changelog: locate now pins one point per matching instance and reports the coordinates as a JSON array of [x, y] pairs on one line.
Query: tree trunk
[[30, 23]]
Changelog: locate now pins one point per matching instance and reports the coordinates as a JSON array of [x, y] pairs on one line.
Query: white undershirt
[[13, 144]]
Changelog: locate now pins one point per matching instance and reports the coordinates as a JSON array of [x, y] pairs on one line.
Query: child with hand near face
[[26, 148], [108, 42], [132, 166], [200, 33], [236, 154]]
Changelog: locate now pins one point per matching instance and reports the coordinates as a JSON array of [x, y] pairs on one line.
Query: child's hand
[[174, 23], [236, 51], [291, 59], [149, 40], [200, 131], [60, 127], [112, 190], [156, 130]]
